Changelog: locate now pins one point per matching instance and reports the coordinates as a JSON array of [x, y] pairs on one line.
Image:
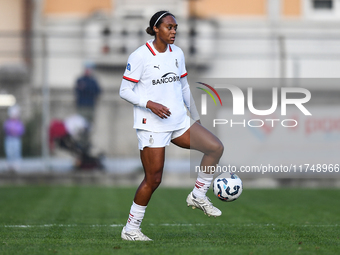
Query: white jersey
[[157, 77]]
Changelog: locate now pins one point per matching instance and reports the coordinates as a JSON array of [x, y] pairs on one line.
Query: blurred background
[[47, 46]]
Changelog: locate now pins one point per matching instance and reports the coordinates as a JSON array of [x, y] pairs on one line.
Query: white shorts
[[159, 139]]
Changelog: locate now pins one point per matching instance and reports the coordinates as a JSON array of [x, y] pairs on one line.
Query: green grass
[[83, 220]]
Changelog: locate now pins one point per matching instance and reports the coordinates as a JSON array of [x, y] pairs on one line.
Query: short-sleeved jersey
[[157, 77]]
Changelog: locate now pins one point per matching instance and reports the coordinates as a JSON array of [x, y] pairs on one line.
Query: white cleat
[[204, 204], [134, 235]]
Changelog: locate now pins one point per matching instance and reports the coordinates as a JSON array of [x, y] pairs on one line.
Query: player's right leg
[[153, 163]]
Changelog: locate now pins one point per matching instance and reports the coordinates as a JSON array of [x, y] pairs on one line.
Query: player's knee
[[216, 149], [219, 149], [156, 182]]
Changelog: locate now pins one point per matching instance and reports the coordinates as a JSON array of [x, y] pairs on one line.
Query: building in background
[[285, 38], [15, 53], [15, 62], [50, 41]]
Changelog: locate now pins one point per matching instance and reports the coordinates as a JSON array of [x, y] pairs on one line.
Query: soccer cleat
[[204, 204], [134, 235]]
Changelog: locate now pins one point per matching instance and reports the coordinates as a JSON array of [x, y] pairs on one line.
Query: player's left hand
[[160, 110]]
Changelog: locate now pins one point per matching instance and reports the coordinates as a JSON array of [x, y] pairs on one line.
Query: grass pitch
[[88, 220]]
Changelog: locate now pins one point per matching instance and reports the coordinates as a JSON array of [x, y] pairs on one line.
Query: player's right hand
[[160, 110]]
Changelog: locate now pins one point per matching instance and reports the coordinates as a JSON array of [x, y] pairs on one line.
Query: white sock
[[135, 217], [202, 184]]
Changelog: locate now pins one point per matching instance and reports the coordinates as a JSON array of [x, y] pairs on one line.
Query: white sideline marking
[[336, 225], [163, 224]]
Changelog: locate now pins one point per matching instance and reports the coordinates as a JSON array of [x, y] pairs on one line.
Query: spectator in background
[[68, 132], [14, 129], [67, 135], [87, 90]]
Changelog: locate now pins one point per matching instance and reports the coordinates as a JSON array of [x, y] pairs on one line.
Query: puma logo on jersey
[[157, 67]]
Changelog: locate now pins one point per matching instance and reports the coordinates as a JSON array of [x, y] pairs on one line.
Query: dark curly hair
[[154, 19]]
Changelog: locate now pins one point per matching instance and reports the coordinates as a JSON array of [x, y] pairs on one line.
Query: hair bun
[[150, 31]]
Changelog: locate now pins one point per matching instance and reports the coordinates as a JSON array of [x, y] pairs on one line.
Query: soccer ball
[[227, 187]]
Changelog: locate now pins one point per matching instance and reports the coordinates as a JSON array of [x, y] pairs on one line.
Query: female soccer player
[[155, 83]]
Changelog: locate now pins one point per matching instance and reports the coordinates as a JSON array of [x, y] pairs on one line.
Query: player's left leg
[[199, 138]]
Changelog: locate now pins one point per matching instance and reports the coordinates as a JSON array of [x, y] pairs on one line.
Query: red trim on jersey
[[149, 47], [130, 79], [183, 75], [170, 48]]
